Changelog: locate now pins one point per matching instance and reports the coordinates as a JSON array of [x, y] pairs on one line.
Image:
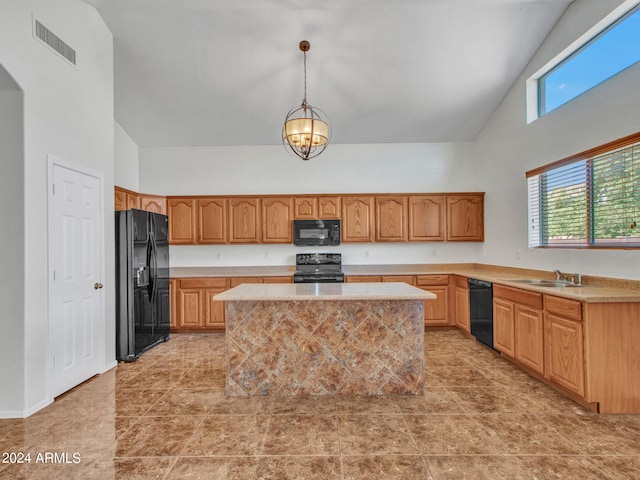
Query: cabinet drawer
[[563, 307], [523, 297], [398, 278], [461, 282], [288, 279], [426, 280], [235, 281], [203, 283]]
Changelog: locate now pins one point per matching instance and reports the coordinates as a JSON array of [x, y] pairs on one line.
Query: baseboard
[[25, 413], [109, 366]]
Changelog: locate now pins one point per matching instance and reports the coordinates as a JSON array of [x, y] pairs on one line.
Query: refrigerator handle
[[154, 262], [151, 266]]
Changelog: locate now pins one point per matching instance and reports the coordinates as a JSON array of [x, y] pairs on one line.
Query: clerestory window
[[609, 48]]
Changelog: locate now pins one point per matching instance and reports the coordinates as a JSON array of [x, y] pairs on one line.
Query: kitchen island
[[324, 339]]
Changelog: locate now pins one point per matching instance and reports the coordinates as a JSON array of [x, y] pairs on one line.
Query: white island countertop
[[324, 291]]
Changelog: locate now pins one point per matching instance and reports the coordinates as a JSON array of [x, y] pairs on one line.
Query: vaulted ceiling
[[226, 72]]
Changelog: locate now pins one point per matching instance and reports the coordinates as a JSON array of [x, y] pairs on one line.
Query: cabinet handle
[[97, 286]]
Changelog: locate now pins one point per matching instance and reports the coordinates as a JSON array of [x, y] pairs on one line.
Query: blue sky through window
[[612, 51]]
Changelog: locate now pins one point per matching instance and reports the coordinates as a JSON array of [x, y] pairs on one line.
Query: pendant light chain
[[304, 99]]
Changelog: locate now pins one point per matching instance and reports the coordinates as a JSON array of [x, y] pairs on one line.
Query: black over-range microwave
[[312, 233]]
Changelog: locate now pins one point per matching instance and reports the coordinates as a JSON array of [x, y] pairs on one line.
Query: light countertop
[[595, 290], [324, 291]]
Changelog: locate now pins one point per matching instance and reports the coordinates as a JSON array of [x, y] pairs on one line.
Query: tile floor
[[166, 417]]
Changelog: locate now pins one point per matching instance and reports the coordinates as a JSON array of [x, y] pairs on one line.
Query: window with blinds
[[589, 200]]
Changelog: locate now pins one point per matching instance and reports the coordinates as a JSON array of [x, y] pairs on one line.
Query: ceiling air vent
[[53, 41]]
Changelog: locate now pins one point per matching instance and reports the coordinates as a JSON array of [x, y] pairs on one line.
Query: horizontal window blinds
[[589, 200]]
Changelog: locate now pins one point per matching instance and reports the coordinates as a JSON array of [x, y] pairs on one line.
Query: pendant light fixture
[[306, 131]]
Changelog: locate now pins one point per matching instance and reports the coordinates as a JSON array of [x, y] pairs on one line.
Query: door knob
[[97, 286]]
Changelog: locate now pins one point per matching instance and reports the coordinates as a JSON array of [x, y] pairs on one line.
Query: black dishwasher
[[481, 310]]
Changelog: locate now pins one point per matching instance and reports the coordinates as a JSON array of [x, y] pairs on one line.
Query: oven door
[[311, 233]]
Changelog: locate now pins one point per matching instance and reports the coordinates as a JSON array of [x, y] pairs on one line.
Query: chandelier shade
[[306, 131]]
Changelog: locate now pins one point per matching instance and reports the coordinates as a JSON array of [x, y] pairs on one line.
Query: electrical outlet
[[366, 254], [218, 256]]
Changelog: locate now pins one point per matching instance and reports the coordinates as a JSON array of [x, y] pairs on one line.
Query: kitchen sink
[[543, 283]]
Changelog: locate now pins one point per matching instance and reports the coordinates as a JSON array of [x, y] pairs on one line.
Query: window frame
[[537, 197]]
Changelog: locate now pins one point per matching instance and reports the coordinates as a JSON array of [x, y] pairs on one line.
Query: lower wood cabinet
[[518, 326], [565, 343], [195, 310], [436, 312], [192, 304]]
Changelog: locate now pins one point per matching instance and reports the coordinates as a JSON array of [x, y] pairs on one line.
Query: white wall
[[12, 242], [442, 167], [508, 147], [126, 160], [68, 113]]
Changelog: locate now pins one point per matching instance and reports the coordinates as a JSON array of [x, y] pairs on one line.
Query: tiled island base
[[325, 347]]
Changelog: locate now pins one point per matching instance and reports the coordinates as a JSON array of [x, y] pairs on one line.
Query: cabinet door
[[529, 336], [565, 355], [119, 199], [465, 218], [503, 327], [153, 203], [357, 219], [133, 201], [329, 208], [463, 320], [212, 220], [182, 221], [277, 214], [391, 219], [244, 220], [436, 311], [214, 314], [426, 218], [190, 308], [305, 208]]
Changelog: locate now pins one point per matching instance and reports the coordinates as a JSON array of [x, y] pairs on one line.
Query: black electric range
[[318, 268]]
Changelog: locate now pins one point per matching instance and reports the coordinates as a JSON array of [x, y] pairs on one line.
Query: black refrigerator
[[142, 282]]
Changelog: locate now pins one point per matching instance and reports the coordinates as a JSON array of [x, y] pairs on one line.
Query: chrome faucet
[[575, 278], [561, 277]]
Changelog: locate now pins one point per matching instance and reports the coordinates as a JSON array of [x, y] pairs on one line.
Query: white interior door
[[76, 293]]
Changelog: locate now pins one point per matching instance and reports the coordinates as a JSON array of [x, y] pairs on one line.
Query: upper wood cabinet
[[391, 219], [153, 203], [124, 199], [357, 219], [427, 218], [329, 208], [277, 215], [244, 220], [182, 220], [465, 217], [212, 220], [305, 208], [365, 218]]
